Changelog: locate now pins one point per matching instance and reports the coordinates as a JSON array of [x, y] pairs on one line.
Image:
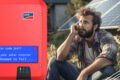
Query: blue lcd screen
[[18, 54]]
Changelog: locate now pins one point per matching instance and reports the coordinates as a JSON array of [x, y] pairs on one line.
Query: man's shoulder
[[105, 36], [104, 33]]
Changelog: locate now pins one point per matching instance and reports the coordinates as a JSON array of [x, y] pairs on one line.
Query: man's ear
[[95, 26]]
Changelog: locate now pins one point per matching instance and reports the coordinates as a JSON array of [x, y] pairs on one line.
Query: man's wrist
[[84, 72], [72, 34]]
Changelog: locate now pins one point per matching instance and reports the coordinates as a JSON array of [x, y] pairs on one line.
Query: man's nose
[[81, 25]]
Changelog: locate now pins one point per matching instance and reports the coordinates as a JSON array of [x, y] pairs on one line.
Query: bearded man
[[96, 50]]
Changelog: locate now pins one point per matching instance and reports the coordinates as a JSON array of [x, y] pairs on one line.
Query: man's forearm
[[96, 65], [63, 50]]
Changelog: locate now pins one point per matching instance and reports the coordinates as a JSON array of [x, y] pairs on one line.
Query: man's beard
[[85, 34]]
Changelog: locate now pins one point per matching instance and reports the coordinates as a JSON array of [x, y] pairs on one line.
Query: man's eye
[[85, 22]]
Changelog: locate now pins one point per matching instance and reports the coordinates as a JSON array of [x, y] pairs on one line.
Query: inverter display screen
[[18, 54]]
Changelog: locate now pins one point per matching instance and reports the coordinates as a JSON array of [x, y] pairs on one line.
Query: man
[[96, 50]]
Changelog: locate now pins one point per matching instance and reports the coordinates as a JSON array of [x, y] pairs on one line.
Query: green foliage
[[118, 43], [74, 5], [51, 51], [57, 38]]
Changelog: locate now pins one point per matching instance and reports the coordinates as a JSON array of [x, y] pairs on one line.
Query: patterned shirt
[[103, 47]]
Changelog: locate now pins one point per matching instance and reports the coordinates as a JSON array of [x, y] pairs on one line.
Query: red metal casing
[[16, 30]]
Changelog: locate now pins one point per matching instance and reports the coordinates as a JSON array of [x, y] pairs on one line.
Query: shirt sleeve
[[109, 48]]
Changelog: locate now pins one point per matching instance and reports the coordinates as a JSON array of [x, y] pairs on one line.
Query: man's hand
[[82, 76], [74, 29]]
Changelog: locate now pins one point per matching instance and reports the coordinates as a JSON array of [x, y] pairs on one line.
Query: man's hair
[[85, 11]]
